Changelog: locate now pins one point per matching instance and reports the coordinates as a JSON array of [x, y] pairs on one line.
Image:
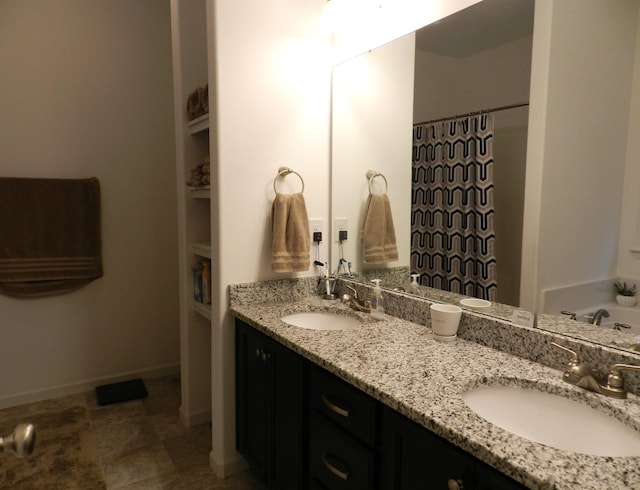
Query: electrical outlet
[[315, 226], [340, 225]]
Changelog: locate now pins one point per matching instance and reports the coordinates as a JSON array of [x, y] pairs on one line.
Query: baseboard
[[189, 420], [85, 385], [229, 468]]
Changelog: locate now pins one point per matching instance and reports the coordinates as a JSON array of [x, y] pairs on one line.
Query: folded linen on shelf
[[200, 174], [198, 102], [290, 240], [378, 232]]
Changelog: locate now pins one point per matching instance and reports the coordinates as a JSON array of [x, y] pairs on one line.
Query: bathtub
[[617, 314]]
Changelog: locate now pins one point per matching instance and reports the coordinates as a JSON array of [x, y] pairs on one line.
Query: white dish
[[475, 303], [445, 338]]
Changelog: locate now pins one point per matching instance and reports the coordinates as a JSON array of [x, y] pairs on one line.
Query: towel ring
[[372, 174], [283, 172]]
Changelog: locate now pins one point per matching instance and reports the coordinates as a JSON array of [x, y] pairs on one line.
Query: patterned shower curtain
[[452, 230]]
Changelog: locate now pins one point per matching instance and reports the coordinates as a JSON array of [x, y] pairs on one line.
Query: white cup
[[445, 320]]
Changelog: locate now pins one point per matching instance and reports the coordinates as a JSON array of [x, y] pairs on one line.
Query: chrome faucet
[[582, 375], [354, 302], [598, 315]]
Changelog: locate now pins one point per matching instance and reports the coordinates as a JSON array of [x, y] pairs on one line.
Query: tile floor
[[141, 444]]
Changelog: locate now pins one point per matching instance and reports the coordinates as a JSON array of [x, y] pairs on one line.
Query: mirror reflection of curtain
[[452, 214]]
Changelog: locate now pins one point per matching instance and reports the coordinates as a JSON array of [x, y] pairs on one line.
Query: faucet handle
[[575, 370], [574, 355], [353, 290], [615, 381], [620, 326], [570, 314]]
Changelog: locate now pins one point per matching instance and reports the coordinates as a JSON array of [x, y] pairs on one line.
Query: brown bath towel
[[378, 233], [290, 240], [49, 235]]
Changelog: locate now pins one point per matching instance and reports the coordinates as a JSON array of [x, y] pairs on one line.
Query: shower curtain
[[452, 214]]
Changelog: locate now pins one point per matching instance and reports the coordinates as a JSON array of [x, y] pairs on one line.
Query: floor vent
[[121, 392]]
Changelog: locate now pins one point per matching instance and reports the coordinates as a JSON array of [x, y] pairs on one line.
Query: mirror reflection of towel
[[290, 240], [378, 233]]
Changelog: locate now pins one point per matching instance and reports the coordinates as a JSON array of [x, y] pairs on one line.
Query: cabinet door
[[251, 399], [287, 435], [269, 408], [415, 459], [490, 479]]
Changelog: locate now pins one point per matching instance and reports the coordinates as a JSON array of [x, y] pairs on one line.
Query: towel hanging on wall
[[290, 240], [50, 240]]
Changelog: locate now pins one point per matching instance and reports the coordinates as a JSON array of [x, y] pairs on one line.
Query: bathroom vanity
[[299, 426], [380, 406]]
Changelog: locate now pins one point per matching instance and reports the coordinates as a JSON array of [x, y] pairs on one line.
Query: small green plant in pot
[[625, 295]]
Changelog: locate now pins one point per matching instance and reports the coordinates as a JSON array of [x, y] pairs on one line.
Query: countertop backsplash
[[526, 342]]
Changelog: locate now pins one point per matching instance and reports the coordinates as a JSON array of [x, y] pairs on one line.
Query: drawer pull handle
[[343, 475], [344, 412], [262, 355]]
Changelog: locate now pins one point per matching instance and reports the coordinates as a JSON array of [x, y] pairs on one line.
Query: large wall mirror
[[480, 60]]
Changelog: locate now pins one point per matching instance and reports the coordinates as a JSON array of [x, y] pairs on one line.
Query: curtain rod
[[494, 109]]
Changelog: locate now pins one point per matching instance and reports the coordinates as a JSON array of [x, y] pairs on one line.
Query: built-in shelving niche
[[202, 249], [196, 126], [199, 124], [203, 192]]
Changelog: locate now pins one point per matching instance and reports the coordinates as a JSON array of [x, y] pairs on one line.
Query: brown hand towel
[[290, 240], [378, 233], [50, 239]]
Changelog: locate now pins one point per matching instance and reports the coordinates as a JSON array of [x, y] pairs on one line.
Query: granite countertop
[[400, 364]]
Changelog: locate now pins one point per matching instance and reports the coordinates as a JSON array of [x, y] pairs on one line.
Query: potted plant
[[625, 295]]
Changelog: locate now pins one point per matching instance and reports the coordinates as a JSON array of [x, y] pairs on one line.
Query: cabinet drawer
[[345, 405], [336, 460]]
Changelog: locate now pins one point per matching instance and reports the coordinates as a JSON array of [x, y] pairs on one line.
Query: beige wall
[[628, 262], [447, 85], [371, 121], [273, 72], [272, 64], [583, 61], [86, 91]]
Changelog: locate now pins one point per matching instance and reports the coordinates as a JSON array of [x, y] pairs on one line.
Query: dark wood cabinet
[[270, 428], [490, 479], [415, 459], [301, 427], [343, 433], [338, 461]]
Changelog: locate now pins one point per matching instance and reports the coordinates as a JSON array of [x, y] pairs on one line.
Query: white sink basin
[[321, 320], [553, 420]]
